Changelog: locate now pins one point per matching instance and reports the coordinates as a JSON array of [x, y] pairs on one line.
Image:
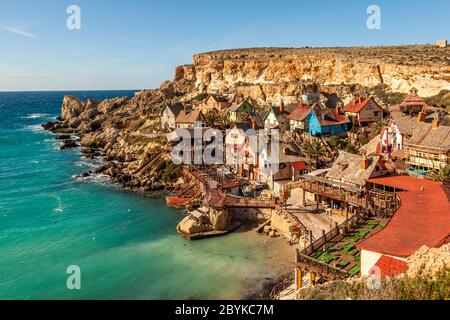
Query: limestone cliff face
[[273, 74]]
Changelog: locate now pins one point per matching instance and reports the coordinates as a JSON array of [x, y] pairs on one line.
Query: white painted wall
[[271, 119], [368, 260]]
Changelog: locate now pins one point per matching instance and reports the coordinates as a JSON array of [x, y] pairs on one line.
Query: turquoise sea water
[[125, 244]]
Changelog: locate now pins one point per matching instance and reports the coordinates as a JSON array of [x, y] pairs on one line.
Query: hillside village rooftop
[[423, 218]]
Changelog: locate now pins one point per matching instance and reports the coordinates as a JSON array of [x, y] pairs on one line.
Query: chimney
[[282, 106], [338, 109], [436, 122], [253, 125], [422, 117], [364, 164]]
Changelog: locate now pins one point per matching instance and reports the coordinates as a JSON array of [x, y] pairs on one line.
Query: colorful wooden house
[[190, 119], [277, 118], [298, 118], [363, 111], [238, 112], [169, 115], [214, 103], [280, 165], [327, 123]]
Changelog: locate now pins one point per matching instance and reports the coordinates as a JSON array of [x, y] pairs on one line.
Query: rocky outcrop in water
[[124, 131]]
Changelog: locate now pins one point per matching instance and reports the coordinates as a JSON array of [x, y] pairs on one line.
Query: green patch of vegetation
[[443, 175], [384, 94], [340, 143], [421, 287], [348, 248], [201, 97], [442, 99], [362, 234], [371, 225], [354, 271], [343, 264], [327, 258]]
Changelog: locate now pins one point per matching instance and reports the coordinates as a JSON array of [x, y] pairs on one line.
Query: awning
[[299, 165]]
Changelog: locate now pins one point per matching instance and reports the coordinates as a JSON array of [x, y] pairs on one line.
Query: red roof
[[390, 267], [423, 219], [299, 165], [357, 104], [331, 117], [406, 183], [301, 112]]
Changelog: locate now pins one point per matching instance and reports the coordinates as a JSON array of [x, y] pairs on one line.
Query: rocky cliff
[[269, 75], [125, 132]]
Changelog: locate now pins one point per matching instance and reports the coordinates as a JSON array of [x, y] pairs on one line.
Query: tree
[[443, 175], [376, 128], [211, 119], [314, 151]]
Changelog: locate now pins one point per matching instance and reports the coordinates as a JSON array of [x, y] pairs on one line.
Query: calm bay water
[[125, 244]]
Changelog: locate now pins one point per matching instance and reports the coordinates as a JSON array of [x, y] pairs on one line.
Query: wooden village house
[[298, 119], [327, 123], [240, 111], [429, 147], [277, 118], [214, 103], [423, 219], [277, 170], [363, 111], [342, 186], [190, 119], [169, 115]]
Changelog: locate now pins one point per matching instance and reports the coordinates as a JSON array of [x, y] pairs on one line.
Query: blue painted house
[[327, 123]]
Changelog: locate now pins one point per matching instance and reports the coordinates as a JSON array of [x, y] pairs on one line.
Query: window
[[376, 113]]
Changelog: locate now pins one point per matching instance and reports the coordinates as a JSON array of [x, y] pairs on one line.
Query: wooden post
[[346, 219], [299, 278], [304, 198], [311, 237], [312, 279], [324, 235]]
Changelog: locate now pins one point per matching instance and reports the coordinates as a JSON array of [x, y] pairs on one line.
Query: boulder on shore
[[72, 107], [69, 144]]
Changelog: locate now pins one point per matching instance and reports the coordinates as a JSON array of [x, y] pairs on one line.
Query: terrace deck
[[338, 251]]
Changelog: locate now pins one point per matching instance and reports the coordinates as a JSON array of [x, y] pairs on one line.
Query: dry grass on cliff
[[418, 287], [417, 55]]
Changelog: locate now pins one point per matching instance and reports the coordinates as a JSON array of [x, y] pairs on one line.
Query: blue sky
[[136, 44]]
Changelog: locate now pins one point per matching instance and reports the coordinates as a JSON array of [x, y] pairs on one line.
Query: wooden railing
[[319, 243], [275, 294], [233, 201], [328, 191], [320, 267]]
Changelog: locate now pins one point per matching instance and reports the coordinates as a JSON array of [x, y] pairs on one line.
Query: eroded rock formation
[[269, 75]]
